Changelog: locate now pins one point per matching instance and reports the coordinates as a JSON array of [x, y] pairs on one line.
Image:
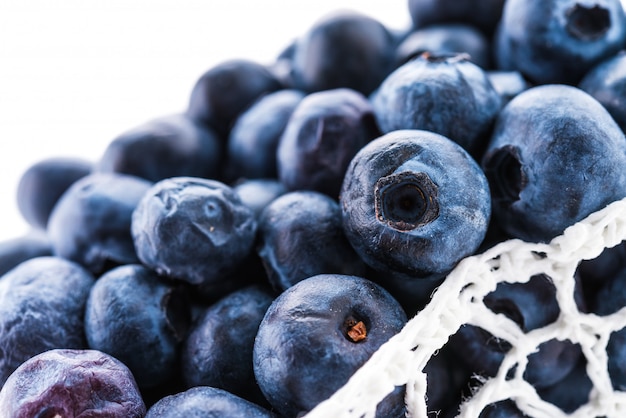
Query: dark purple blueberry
[[414, 202], [206, 402], [140, 319], [570, 161], [72, 383], [606, 82], [218, 350], [193, 229], [343, 49], [442, 93], [42, 304], [316, 334], [558, 41], [43, 183], [91, 222], [446, 38], [483, 14], [531, 305], [254, 138], [163, 147], [15, 250], [324, 132], [301, 235], [258, 193], [225, 90]]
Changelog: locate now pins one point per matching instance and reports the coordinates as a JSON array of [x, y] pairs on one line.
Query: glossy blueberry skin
[[15, 250], [258, 193], [206, 402], [72, 383], [225, 90], [446, 38], [530, 305], [606, 82], [193, 229], [218, 349], [301, 235], [305, 349], [446, 94], [343, 49], [483, 14], [324, 132], [140, 319], [558, 41], [42, 304], [163, 147], [570, 161], [43, 183], [254, 138], [405, 210]]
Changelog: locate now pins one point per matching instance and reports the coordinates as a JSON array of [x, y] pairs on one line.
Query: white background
[[76, 73]]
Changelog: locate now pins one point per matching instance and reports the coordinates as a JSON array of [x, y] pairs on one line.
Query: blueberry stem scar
[[356, 330]]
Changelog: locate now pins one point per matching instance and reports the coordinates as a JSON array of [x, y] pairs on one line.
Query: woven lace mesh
[[458, 301]]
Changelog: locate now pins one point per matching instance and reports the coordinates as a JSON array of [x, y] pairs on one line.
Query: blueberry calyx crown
[[406, 200], [588, 23], [354, 329]]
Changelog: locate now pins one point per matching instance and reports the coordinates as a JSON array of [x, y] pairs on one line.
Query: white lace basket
[[458, 301]]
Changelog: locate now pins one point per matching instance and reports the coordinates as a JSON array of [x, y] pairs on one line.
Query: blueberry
[[91, 222], [254, 138], [140, 319], [572, 391], [166, 146], [43, 183], [206, 402], [343, 49], [483, 14], [606, 82], [508, 84], [193, 229], [595, 273], [558, 41], [324, 132], [531, 305], [258, 193], [72, 383], [446, 38], [442, 93], [225, 90], [316, 334], [218, 349], [555, 156], [42, 304], [416, 203], [15, 250], [502, 409], [301, 235]]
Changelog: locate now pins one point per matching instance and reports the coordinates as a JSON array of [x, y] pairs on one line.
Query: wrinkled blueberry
[[414, 202], [91, 222], [254, 138], [558, 41], [140, 319], [442, 93], [43, 183], [193, 229], [206, 402], [218, 350], [555, 156], [15, 250], [225, 90], [343, 49], [163, 147], [324, 132], [483, 14], [42, 304], [72, 383], [301, 235], [316, 334]]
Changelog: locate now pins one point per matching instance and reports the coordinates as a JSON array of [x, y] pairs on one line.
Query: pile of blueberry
[[244, 257]]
